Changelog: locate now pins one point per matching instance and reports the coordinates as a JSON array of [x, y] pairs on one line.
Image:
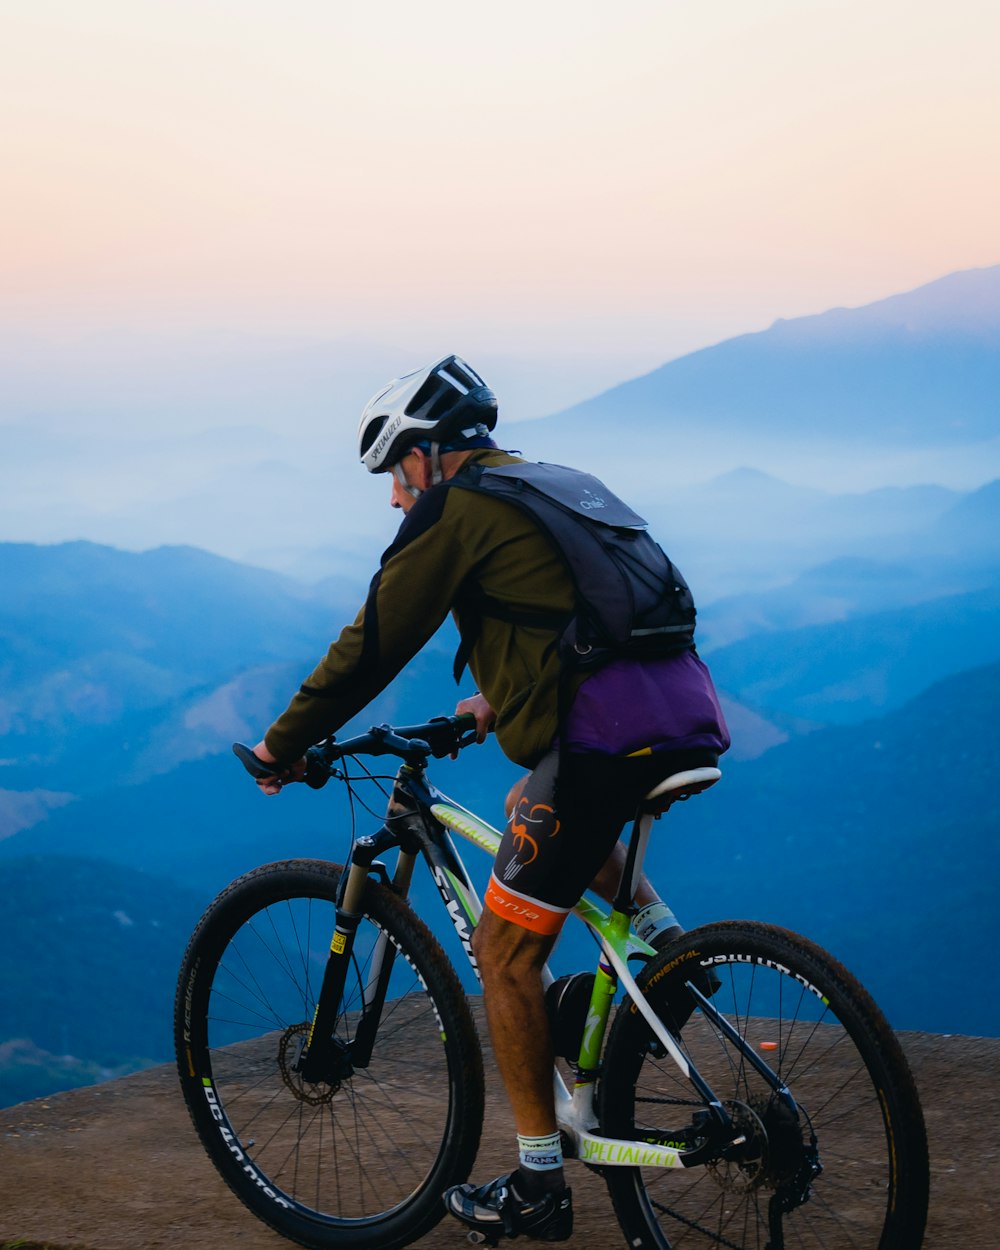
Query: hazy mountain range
[[898, 393], [920, 369], [878, 841], [852, 630], [149, 660]]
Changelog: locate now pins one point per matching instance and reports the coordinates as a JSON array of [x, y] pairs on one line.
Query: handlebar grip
[[254, 766]]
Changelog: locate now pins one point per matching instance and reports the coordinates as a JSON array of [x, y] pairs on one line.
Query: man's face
[[416, 469]]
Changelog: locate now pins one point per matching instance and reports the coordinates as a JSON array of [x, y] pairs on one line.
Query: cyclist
[[627, 726]]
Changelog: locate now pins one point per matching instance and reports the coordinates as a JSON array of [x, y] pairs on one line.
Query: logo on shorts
[[538, 815]]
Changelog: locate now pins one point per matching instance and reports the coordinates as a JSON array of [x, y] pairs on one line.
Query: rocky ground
[[117, 1166]]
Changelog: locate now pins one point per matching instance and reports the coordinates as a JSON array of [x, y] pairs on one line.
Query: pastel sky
[[609, 185]]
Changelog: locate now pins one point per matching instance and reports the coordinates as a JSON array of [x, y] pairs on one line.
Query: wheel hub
[[290, 1048], [772, 1153]]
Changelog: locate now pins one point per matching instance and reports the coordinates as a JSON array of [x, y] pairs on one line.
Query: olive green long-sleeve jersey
[[448, 540]]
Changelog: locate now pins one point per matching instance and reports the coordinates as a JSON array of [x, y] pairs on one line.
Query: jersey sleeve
[[409, 597]]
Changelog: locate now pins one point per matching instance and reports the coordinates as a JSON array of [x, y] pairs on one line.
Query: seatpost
[[635, 857]]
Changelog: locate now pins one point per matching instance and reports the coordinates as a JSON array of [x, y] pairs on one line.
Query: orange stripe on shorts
[[529, 913]]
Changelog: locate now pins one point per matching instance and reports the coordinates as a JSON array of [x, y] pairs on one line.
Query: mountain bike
[[744, 1092]]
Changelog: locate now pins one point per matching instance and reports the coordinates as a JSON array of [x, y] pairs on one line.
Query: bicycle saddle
[[679, 786]]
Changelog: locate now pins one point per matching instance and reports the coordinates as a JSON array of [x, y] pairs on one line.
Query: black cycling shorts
[[565, 825]]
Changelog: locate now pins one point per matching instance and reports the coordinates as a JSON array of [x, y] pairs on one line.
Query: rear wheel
[[850, 1172], [361, 1159]]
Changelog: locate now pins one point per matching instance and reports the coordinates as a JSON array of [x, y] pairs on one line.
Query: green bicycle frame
[[575, 1109], [424, 828]]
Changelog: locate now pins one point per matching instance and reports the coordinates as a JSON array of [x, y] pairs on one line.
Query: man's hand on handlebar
[[477, 706], [283, 776]]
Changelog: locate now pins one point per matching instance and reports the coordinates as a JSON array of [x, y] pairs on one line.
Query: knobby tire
[[360, 1162]]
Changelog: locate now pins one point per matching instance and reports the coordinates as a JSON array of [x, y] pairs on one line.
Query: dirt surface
[[118, 1167]]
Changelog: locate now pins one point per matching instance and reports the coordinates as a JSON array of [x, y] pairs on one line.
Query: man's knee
[[516, 790], [502, 948]]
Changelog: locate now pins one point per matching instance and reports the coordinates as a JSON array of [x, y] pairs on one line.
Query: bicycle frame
[[419, 820]]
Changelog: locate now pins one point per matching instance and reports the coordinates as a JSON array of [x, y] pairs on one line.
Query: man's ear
[[424, 472]]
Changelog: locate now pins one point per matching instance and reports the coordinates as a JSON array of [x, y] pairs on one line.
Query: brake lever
[[318, 768], [450, 750], [467, 739]]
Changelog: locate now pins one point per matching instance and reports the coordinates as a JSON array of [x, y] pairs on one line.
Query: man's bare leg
[[533, 1199], [510, 961]]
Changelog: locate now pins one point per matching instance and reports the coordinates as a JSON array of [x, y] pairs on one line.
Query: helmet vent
[[433, 399], [449, 376], [372, 433]]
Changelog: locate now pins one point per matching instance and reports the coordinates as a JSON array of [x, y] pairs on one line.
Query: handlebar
[[439, 737]]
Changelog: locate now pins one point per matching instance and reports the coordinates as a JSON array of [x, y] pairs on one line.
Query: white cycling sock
[[540, 1154], [541, 1167], [652, 919]]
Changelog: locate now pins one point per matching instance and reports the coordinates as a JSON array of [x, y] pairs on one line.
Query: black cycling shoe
[[497, 1210]]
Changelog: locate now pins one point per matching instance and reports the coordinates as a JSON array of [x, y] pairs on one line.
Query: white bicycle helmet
[[446, 403]]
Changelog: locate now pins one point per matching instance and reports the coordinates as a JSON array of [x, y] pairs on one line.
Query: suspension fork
[[318, 1057]]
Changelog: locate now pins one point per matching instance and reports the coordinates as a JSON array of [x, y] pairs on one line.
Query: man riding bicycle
[[596, 741]]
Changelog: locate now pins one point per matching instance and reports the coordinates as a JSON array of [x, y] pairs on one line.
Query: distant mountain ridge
[[124, 675], [851, 834], [919, 368], [79, 928], [747, 533], [847, 671], [146, 660], [877, 840], [97, 643], [811, 399]]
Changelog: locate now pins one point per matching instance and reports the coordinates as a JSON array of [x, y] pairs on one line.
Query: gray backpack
[[630, 599]]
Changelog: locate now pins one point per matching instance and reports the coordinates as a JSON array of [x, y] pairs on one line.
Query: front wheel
[[361, 1159], [848, 1172]]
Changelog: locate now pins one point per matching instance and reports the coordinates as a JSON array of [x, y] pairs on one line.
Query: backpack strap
[[475, 603]]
